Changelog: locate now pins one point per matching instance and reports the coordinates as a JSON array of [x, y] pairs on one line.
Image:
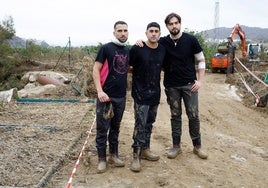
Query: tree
[[7, 31], [208, 50]]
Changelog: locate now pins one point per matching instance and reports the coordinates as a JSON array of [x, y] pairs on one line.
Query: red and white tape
[[80, 156], [257, 98]]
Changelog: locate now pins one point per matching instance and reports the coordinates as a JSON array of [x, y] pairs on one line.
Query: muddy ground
[[41, 143]]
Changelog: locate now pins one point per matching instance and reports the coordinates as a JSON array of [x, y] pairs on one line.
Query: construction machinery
[[223, 60]]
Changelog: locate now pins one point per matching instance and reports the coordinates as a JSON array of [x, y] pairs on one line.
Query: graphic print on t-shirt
[[119, 63]]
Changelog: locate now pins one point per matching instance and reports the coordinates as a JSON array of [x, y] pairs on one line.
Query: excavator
[[223, 60]]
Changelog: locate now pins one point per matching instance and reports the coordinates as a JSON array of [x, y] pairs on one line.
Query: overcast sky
[[91, 21]]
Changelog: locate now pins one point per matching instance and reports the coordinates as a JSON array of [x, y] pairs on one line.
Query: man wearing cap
[[146, 64]]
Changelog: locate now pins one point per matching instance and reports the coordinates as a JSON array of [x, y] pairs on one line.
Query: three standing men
[[178, 52]]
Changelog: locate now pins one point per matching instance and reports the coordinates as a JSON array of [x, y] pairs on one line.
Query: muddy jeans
[[144, 118], [112, 125], [190, 99]]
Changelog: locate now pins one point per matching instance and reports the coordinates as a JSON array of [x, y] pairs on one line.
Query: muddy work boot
[[101, 167], [174, 152], [200, 153], [116, 161], [136, 163], [149, 155]]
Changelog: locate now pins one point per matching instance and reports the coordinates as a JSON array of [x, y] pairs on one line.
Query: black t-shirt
[[179, 64], [117, 58], [147, 65]]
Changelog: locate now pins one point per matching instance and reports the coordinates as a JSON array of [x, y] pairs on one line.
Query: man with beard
[[182, 83], [110, 79]]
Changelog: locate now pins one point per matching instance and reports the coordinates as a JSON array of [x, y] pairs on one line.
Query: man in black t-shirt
[[110, 79], [146, 63], [182, 84]]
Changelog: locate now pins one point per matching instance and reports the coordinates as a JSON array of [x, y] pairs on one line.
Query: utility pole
[[216, 20]]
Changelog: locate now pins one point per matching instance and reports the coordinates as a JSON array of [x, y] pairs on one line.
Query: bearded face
[[174, 31]]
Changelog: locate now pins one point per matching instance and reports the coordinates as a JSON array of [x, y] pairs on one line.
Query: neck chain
[[177, 39]]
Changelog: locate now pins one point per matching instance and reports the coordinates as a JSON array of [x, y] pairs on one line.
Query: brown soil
[[41, 142]]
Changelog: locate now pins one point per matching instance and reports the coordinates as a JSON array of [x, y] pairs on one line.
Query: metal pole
[[69, 55]]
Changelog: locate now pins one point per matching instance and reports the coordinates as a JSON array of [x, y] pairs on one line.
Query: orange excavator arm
[[238, 30]]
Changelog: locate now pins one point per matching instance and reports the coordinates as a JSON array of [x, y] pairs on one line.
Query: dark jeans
[[144, 118], [190, 99], [110, 127]]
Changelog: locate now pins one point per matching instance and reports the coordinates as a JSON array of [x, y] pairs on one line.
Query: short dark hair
[[153, 24], [171, 15], [119, 22]]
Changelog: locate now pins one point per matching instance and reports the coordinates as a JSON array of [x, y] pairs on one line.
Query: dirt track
[[234, 136]]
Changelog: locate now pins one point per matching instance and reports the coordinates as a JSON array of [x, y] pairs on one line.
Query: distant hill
[[252, 33], [19, 42]]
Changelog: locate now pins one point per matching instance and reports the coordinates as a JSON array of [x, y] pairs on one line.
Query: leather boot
[[174, 152], [136, 163], [149, 155], [116, 161], [101, 167], [200, 153]]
